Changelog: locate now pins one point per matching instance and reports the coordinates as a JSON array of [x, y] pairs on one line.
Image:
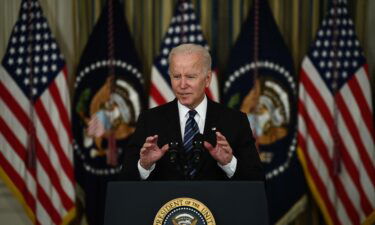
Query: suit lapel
[[211, 120], [173, 126], [209, 130]]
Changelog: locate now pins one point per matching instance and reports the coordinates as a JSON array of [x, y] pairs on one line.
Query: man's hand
[[222, 152], [150, 152]]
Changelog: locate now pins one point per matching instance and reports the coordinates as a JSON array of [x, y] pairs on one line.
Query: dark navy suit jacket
[[164, 121]]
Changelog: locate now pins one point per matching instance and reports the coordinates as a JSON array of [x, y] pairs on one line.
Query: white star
[[37, 58], [23, 28], [54, 56], [46, 36], [45, 25], [12, 51], [315, 53], [200, 37], [129, 67], [349, 43], [328, 32], [168, 41], [35, 80], [170, 30], [177, 29], [14, 40], [34, 91], [354, 63], [36, 69], [328, 75], [38, 37], [192, 27], [192, 16], [44, 79], [21, 50], [45, 69], [54, 67], [27, 70], [192, 38], [326, 43], [37, 48], [20, 60], [176, 40], [165, 51], [45, 47], [346, 64], [45, 58], [26, 81], [163, 61], [324, 53], [123, 64], [10, 61], [186, 17], [178, 18], [22, 39], [18, 71], [339, 54], [329, 64]]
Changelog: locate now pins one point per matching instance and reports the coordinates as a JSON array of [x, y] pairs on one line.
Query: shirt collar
[[201, 109]]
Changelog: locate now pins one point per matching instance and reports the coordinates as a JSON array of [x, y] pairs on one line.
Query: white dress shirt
[[200, 118]]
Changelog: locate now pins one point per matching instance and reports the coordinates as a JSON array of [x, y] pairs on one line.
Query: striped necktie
[[191, 129]]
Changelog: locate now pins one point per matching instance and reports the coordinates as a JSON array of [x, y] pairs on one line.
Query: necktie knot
[[192, 113]]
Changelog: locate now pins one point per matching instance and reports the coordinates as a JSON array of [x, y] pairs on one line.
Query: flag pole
[[112, 153]]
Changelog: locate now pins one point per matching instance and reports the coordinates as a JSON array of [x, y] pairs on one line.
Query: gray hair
[[191, 49]]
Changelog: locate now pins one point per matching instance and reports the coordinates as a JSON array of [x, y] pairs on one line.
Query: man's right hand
[[150, 152]]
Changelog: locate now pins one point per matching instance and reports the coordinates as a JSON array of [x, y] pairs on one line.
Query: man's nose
[[183, 83]]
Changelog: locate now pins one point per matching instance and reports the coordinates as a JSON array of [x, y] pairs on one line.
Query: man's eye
[[191, 76]]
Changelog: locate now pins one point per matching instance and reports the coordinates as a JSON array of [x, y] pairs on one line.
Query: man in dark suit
[[228, 150]]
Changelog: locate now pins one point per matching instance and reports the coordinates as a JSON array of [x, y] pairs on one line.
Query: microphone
[[173, 151], [197, 148]]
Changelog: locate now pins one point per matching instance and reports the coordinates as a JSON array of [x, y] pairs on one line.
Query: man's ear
[[208, 78]]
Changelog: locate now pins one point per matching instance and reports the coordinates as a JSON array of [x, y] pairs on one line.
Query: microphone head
[[198, 140], [173, 151]]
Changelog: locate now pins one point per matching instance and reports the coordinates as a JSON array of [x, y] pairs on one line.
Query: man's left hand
[[222, 152]]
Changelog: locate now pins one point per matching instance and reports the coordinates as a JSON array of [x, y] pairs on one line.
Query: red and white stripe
[[47, 191], [347, 197], [161, 91]]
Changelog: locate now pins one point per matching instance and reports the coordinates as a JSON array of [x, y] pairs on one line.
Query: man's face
[[188, 79]]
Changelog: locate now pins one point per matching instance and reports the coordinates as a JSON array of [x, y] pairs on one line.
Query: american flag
[[184, 28], [35, 133], [335, 122]]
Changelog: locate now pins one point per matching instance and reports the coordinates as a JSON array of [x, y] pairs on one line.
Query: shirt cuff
[[143, 172], [229, 168]]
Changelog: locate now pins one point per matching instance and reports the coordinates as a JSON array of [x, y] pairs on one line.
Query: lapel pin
[[213, 128]]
